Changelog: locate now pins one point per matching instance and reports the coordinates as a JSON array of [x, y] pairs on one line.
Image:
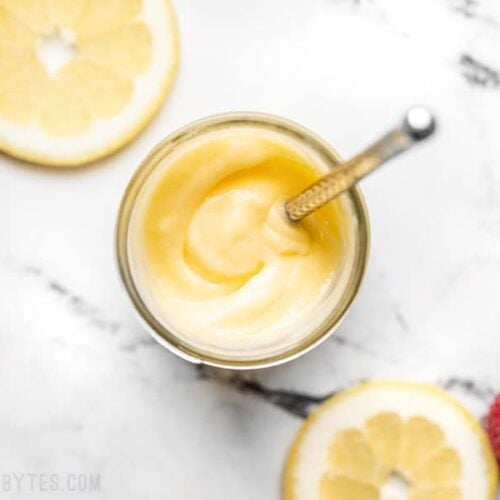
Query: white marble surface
[[82, 387]]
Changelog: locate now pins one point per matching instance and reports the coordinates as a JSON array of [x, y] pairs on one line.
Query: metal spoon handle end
[[418, 124]]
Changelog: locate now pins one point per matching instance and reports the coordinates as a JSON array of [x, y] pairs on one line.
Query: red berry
[[493, 427]]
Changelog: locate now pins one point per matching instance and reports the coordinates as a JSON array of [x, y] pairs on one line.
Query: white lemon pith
[[80, 78], [355, 443]]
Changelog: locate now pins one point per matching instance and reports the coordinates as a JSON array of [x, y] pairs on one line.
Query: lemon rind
[[138, 126], [288, 483]]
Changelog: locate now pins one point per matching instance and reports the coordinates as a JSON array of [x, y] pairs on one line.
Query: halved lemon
[[390, 441], [80, 78]]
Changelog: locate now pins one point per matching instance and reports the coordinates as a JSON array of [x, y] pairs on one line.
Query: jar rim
[[158, 330]]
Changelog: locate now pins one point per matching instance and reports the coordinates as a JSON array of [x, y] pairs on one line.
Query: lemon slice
[[390, 441], [81, 78]]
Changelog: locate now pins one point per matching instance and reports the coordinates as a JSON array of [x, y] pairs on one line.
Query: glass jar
[[336, 301]]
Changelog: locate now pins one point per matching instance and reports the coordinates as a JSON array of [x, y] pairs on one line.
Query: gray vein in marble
[[295, 403], [84, 309], [472, 11], [139, 343], [401, 321], [468, 8], [459, 272], [361, 348], [150, 384], [480, 391], [479, 74], [301, 404], [400, 318], [79, 306]]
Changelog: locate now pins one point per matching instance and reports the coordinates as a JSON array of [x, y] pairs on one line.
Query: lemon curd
[[213, 254]]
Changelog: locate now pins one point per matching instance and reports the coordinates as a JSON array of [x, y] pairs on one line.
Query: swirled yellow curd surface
[[216, 258]]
